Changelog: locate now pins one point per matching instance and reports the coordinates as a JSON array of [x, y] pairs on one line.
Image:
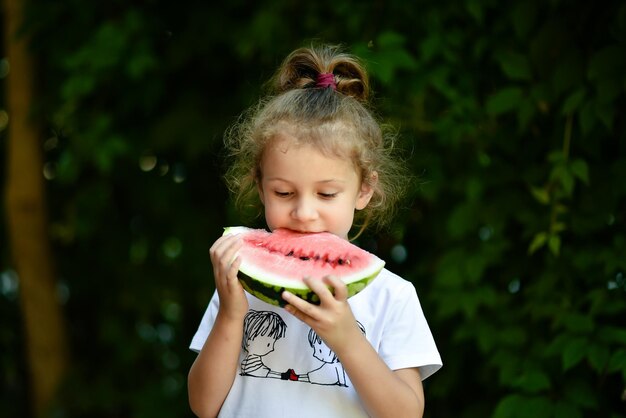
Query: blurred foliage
[[513, 116]]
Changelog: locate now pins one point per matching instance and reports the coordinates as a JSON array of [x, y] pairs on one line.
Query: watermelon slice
[[278, 261]]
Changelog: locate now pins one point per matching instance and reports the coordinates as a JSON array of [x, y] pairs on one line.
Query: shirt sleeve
[[407, 340], [206, 325]]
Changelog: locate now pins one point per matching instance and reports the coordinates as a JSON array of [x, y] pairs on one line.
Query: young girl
[[314, 157]]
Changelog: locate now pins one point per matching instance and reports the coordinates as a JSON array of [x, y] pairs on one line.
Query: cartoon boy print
[[331, 371], [261, 330]]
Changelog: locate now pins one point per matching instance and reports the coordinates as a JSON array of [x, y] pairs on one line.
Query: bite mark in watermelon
[[274, 262]]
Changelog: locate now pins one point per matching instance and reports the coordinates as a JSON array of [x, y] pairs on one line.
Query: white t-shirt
[[285, 370]]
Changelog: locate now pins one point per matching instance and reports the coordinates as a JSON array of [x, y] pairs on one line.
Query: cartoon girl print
[[261, 330], [331, 371]]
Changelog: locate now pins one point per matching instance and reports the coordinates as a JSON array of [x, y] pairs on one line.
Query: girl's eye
[[281, 194], [328, 195]]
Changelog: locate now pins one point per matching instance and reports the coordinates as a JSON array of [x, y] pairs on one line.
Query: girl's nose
[[304, 210]]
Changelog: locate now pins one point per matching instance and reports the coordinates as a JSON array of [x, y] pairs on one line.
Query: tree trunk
[[27, 224]]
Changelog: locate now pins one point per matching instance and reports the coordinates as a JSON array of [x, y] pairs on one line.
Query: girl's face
[[307, 191]]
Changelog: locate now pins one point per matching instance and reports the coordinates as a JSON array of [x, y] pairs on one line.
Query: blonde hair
[[337, 121]]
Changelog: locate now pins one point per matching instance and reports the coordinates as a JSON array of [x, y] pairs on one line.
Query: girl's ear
[[367, 191]]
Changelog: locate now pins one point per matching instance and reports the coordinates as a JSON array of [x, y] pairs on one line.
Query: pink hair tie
[[326, 80]]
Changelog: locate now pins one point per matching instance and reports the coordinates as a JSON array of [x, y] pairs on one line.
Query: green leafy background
[[511, 115]]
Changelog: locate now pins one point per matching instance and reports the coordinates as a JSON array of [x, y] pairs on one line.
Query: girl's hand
[[233, 302], [332, 319]]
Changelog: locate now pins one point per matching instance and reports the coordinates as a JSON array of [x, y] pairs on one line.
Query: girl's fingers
[[340, 291], [234, 269], [224, 250], [307, 311], [230, 253], [332, 319], [329, 289], [318, 287], [298, 303], [298, 313], [220, 243], [223, 242]]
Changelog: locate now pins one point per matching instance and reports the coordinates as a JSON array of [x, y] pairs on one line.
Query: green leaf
[[533, 381], [610, 334], [462, 220], [606, 114], [538, 241], [68, 167], [515, 65], [569, 72], [574, 352], [439, 79], [557, 227], [541, 93], [430, 46], [556, 157], [512, 336], [517, 406], [523, 16], [608, 90], [538, 407], [598, 356], [510, 407], [475, 9], [566, 410], [580, 169], [391, 39], [390, 56], [574, 101], [541, 194], [140, 64], [525, 114], [578, 323], [617, 361], [578, 392], [78, 86], [504, 100], [555, 347], [609, 61], [554, 243], [561, 174], [450, 274], [559, 208], [588, 118]]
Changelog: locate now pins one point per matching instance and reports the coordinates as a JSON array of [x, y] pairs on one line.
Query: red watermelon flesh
[[278, 261]]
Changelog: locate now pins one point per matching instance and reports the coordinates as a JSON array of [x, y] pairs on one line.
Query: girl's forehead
[[327, 155]]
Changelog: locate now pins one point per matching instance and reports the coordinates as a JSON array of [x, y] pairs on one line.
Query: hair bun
[[304, 67]]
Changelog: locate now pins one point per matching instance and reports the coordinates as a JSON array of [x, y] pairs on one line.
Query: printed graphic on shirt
[[331, 371], [262, 329]]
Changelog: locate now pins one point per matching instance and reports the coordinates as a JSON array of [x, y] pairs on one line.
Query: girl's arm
[[213, 372], [384, 392]]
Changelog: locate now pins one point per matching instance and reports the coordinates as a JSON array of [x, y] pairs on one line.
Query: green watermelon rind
[[272, 294], [269, 292]]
